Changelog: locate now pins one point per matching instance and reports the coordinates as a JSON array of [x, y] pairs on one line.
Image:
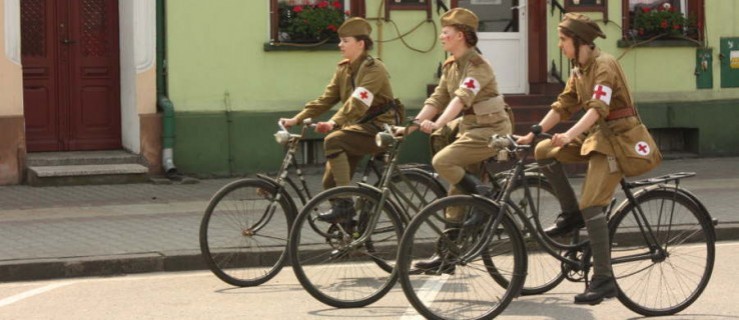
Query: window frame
[[392, 5], [693, 8], [571, 7], [356, 7]]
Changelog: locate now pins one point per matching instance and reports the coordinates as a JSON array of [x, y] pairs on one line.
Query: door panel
[[94, 103], [71, 74], [502, 40], [39, 53]]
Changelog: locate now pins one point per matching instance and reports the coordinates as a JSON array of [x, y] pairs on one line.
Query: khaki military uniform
[[363, 87], [599, 84], [470, 78]]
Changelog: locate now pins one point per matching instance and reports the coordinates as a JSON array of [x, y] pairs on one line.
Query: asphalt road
[[200, 295]]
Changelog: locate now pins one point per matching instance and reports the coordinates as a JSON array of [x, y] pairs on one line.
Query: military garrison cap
[[582, 26], [460, 16], [355, 27]]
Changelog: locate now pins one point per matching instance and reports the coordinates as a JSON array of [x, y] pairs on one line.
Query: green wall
[[217, 60], [228, 91], [212, 144], [716, 134]]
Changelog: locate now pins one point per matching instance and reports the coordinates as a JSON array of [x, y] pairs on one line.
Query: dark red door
[[71, 74]]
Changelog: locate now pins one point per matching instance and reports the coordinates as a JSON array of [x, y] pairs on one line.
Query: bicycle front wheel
[[656, 282], [329, 260], [454, 288], [243, 234]]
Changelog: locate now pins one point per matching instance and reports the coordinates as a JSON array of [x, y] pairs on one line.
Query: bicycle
[[243, 233], [658, 231], [349, 263]]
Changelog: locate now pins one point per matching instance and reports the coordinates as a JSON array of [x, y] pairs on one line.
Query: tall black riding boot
[[472, 185], [570, 218], [602, 285]]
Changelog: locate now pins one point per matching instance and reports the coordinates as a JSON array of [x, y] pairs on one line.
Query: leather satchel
[[634, 149]]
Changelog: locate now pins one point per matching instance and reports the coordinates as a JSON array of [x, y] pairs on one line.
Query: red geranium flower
[[664, 24], [331, 27], [323, 4], [676, 26], [297, 9], [336, 4], [645, 9]]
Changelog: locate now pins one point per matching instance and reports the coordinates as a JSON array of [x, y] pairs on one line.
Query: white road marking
[[30, 293], [427, 294]]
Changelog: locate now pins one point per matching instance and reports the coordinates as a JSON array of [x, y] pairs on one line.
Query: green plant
[[311, 22], [660, 20]]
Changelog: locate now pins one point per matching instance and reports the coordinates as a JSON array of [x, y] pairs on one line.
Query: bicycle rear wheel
[[458, 290], [413, 189], [330, 265], [243, 233], [652, 284]]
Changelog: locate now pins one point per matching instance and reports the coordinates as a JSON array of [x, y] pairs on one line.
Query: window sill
[[658, 43], [276, 46]]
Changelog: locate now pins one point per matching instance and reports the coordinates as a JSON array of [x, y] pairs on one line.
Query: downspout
[[163, 102]]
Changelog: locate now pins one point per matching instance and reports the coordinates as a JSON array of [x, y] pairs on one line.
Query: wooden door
[[71, 74]]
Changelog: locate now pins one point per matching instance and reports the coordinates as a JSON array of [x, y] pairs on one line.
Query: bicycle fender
[[432, 175], [369, 186], [663, 187]]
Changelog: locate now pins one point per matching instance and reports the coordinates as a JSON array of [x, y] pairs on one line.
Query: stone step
[[81, 158], [87, 174]]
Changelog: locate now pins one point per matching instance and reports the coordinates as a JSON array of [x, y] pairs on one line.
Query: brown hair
[[367, 41], [470, 36]]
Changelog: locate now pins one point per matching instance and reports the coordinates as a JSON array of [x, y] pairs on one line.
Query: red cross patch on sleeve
[[602, 93], [471, 84], [364, 95]]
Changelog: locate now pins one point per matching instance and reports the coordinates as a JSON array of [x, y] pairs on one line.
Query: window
[[408, 5], [663, 19], [586, 5], [310, 21]]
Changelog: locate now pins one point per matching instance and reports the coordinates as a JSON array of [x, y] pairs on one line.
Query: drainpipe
[[163, 102]]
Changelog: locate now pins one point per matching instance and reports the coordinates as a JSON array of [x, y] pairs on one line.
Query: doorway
[[71, 74], [502, 38]]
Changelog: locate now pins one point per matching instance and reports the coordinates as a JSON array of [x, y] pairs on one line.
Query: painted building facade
[[230, 71]]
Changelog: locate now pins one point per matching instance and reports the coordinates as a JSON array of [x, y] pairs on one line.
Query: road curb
[[170, 261]]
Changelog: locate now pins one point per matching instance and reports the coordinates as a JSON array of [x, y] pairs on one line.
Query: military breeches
[[599, 185], [344, 149], [466, 153]]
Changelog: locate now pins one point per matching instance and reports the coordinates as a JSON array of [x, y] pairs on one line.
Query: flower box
[[310, 23]]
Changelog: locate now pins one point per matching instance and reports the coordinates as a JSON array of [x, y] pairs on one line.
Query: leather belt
[[620, 113]]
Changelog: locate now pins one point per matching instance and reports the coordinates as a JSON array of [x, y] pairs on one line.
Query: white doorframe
[[508, 53]]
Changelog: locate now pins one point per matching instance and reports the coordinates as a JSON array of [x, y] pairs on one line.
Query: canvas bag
[[634, 149]]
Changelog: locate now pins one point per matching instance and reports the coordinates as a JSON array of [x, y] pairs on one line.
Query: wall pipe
[[163, 102]]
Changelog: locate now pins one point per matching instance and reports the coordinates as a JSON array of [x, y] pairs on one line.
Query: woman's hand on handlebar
[[427, 126], [527, 139], [561, 139], [324, 127], [288, 122]]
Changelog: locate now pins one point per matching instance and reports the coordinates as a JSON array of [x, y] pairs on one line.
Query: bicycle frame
[[386, 186]]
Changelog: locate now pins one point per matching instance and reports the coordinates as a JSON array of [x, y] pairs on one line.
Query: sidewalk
[[57, 232]]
